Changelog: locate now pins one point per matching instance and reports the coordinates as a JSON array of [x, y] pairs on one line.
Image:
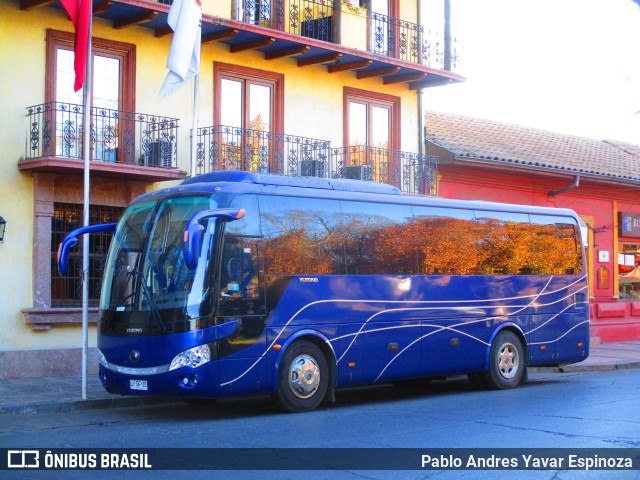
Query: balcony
[[230, 148], [396, 38], [410, 172], [308, 18], [390, 37], [138, 145], [310, 33]]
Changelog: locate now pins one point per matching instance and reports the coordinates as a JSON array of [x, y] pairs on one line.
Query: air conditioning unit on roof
[[311, 168], [357, 172]]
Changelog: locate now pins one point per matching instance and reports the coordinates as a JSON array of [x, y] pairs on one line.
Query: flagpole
[[194, 127], [86, 150]]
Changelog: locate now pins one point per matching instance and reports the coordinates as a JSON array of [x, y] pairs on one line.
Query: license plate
[[138, 385]]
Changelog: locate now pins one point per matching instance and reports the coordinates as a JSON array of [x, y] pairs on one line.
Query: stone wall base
[[45, 363], [615, 320]]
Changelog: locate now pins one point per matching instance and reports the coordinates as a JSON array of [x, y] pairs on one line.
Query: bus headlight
[[102, 359], [194, 357]]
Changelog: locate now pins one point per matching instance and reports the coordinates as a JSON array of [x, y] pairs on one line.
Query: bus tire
[[303, 377], [506, 362]]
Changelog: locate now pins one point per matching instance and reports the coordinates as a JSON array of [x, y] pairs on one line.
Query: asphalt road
[[571, 410]]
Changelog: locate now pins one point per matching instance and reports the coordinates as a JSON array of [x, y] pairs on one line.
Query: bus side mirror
[[192, 236], [72, 238]]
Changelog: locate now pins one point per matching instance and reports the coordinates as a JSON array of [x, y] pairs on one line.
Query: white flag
[[185, 19]]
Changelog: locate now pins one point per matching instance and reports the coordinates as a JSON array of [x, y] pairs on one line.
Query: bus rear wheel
[[303, 377], [506, 362]]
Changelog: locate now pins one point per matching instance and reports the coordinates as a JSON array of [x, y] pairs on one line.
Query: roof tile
[[504, 143]]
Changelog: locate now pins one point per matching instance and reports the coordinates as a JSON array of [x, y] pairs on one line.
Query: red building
[[488, 160]]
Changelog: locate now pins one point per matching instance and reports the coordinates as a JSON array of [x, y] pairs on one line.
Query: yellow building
[[297, 87]]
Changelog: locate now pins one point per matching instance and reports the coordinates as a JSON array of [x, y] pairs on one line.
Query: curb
[[78, 405], [576, 368], [599, 368]]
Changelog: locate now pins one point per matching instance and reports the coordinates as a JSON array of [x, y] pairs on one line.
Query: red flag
[[79, 12]]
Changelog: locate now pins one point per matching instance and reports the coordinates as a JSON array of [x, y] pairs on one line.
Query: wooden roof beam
[[406, 77], [377, 72], [133, 20], [287, 52], [29, 4], [342, 67], [251, 45], [219, 35], [102, 7], [163, 31], [318, 59]]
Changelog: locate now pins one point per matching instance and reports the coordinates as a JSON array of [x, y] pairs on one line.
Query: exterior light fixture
[[3, 224]]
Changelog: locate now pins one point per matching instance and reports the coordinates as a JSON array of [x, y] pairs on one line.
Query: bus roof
[[340, 189], [291, 181]]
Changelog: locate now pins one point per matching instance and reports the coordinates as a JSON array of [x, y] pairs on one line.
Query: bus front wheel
[[506, 362], [303, 377]]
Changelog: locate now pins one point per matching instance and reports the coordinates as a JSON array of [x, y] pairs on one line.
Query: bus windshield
[[150, 290]]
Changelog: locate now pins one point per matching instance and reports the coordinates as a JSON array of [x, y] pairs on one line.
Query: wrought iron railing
[[396, 38], [389, 36], [419, 173], [309, 18], [411, 172], [408, 41], [223, 147], [55, 130]]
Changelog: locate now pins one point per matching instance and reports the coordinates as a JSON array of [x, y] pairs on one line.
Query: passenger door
[[241, 298]]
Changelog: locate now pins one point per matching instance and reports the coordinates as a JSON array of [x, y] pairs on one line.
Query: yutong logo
[[309, 280], [23, 459], [134, 330]]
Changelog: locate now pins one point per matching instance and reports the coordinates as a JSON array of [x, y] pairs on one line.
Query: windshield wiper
[[121, 300], [152, 303]]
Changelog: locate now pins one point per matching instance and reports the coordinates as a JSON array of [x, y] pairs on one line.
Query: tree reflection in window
[[331, 237], [378, 239], [302, 241]]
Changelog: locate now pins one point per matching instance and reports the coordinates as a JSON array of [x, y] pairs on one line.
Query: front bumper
[[202, 382]]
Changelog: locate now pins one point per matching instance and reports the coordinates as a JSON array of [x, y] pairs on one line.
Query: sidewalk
[[62, 394]]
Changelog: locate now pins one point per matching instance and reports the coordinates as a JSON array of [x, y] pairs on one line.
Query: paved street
[[570, 410]]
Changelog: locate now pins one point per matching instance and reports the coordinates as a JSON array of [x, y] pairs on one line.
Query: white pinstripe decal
[[439, 328]]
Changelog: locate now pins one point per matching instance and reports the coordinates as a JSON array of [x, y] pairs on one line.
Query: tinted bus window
[[505, 242], [557, 245], [249, 224], [379, 239], [241, 290], [301, 236], [446, 241]]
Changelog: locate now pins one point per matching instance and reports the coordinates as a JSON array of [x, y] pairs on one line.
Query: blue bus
[[234, 283]]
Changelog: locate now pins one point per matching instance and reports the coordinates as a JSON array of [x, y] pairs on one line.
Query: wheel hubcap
[[304, 376], [508, 360]]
